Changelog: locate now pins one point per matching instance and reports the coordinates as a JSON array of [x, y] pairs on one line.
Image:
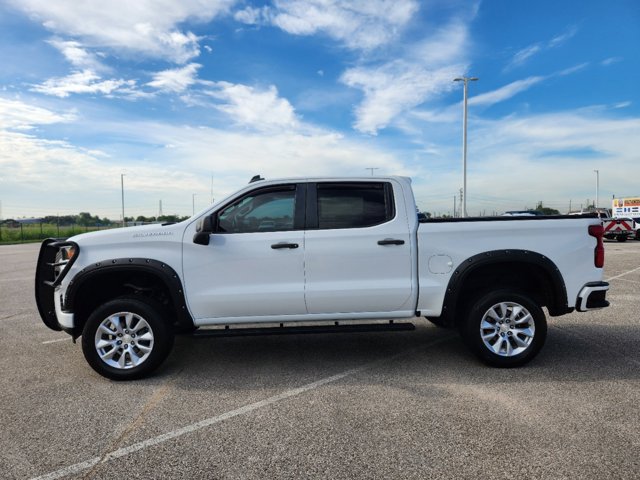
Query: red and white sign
[[618, 226]]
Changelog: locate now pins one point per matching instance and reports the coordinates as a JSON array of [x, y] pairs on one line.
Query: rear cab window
[[341, 205]]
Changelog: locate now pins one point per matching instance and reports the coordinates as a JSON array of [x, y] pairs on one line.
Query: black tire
[[621, 238], [513, 325], [149, 348]]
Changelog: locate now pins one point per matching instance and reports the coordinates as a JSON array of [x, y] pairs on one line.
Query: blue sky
[[193, 97]]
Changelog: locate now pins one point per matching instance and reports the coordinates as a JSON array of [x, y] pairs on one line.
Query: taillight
[[598, 254]]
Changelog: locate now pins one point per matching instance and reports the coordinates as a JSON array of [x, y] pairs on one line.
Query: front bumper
[[592, 296], [50, 272]]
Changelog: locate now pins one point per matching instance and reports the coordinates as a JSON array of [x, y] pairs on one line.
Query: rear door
[[357, 249]]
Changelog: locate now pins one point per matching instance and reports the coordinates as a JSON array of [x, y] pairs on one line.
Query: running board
[[299, 329]]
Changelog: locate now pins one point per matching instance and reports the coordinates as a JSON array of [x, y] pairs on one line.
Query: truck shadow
[[428, 354]]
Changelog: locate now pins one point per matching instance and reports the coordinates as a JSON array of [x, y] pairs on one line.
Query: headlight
[[68, 252], [65, 256]]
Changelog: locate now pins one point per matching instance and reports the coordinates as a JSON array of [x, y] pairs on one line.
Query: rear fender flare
[[452, 299]]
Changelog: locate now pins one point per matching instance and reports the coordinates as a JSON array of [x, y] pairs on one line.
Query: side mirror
[[204, 228]]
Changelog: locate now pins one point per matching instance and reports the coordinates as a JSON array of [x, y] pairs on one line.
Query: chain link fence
[[16, 232]]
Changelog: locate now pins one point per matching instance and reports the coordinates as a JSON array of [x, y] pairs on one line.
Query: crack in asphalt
[[157, 396]]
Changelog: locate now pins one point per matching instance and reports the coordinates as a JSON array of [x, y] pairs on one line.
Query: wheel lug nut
[[510, 334], [126, 331], [502, 335], [120, 335], [133, 343], [119, 342], [126, 346], [133, 335]]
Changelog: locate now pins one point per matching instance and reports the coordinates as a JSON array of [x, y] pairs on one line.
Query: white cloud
[[506, 92], [610, 61], [149, 27], [523, 55], [274, 154], [574, 69], [175, 80], [47, 177], [392, 88], [518, 160], [15, 114], [77, 55], [358, 24], [252, 16], [260, 109], [85, 81], [29, 165], [563, 37]]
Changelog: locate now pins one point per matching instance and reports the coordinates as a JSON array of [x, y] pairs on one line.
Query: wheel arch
[[113, 278], [528, 271]]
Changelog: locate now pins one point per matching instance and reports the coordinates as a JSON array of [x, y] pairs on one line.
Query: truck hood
[[132, 234]]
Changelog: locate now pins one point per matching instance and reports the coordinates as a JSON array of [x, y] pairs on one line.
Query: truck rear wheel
[[126, 338], [505, 328]]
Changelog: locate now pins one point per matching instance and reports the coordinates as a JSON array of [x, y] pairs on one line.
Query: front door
[[254, 263]]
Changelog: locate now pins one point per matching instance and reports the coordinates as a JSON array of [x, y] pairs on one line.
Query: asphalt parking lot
[[366, 405]]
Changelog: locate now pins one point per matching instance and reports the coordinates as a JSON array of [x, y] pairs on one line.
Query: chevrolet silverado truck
[[330, 253]]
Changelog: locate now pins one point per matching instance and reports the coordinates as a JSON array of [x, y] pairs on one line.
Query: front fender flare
[[155, 267]]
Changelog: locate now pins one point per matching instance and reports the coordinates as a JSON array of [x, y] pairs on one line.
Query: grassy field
[[40, 231]]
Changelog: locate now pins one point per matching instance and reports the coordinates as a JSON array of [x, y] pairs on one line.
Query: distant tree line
[[160, 219], [85, 219]]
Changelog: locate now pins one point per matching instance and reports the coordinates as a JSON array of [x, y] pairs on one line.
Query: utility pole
[[193, 203], [454, 206], [466, 80], [372, 169], [462, 212], [597, 187], [122, 188]]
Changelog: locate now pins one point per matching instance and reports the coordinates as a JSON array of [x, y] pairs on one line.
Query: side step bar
[[299, 329]]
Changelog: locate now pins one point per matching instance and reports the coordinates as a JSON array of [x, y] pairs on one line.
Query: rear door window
[[354, 205]]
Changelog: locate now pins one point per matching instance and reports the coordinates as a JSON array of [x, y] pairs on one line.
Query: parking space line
[[56, 341], [121, 452], [623, 274]]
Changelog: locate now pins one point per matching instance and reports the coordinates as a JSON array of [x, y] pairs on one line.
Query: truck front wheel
[[505, 328], [126, 338]]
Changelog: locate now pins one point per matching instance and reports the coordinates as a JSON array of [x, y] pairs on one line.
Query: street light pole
[[122, 189], [193, 203], [466, 80], [597, 187]]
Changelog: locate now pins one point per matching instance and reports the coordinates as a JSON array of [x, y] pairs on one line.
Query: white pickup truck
[[329, 252]]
